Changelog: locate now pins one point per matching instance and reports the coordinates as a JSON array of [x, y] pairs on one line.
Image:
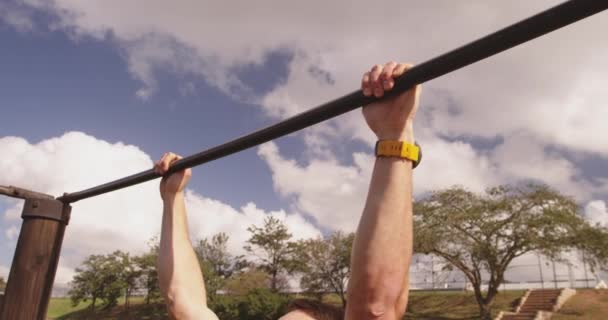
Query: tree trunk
[[484, 306], [338, 288], [485, 312], [127, 296], [273, 281], [343, 298]]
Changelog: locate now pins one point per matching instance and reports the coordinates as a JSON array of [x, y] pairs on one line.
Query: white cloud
[[523, 157], [545, 88], [12, 233], [13, 213], [124, 219], [208, 216], [144, 93], [453, 163], [333, 194], [597, 213], [541, 94], [16, 17]]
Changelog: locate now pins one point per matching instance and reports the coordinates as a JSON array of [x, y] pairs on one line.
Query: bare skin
[[382, 252], [179, 274], [378, 288]]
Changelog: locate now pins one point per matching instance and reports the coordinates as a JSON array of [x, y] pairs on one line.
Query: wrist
[[406, 134], [170, 198]]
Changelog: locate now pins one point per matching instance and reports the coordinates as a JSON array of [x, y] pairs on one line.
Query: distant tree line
[[105, 278], [478, 234], [322, 264]]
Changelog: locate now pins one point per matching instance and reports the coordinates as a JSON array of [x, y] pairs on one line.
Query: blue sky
[[131, 84], [85, 86], [51, 85]]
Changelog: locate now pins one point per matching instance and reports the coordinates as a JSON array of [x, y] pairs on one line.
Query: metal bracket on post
[[45, 209], [32, 274]]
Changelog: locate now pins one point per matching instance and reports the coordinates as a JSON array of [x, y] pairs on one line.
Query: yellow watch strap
[[401, 149]]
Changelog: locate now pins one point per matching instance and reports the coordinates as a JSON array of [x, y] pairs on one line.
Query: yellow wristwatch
[[400, 149]]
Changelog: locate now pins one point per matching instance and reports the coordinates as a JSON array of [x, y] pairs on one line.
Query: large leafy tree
[[480, 234], [98, 278], [271, 244], [325, 263], [2, 283]]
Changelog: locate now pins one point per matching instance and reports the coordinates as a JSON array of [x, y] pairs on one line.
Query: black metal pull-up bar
[[528, 29]]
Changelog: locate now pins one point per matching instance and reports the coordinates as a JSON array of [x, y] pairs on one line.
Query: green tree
[[97, 278], [2, 283], [271, 245], [130, 272], [240, 284], [257, 304], [480, 234], [213, 282], [148, 278], [263, 304], [325, 264], [216, 262], [215, 252], [593, 246]]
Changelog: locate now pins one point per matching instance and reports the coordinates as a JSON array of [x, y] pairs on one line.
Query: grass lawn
[[61, 309], [455, 304], [423, 305], [61, 306], [586, 304]]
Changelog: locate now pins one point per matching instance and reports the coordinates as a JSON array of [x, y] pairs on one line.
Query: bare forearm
[[383, 244], [180, 277]]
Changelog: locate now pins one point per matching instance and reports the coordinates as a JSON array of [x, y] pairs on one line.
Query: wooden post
[[34, 265]]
